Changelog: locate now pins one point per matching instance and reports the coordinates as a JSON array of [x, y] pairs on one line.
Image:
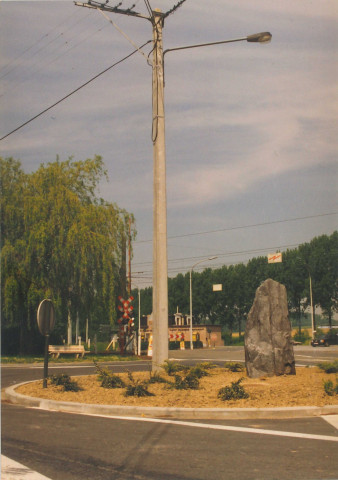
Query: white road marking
[[332, 419], [60, 365], [217, 427]]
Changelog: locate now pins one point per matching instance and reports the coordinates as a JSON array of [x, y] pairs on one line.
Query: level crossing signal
[[125, 308]]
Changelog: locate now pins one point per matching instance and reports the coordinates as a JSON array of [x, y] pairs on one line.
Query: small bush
[[303, 337], [230, 339], [207, 365], [199, 371], [330, 389], [234, 366], [233, 392], [189, 382], [329, 367], [137, 388], [155, 377], [171, 367], [64, 380], [108, 379]]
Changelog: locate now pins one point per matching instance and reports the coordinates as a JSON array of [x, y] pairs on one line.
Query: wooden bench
[[56, 350]]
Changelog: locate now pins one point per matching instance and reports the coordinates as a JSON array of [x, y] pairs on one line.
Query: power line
[[66, 46], [228, 229], [35, 44], [74, 91], [227, 254]]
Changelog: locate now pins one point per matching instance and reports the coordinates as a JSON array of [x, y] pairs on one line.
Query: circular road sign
[[46, 317]]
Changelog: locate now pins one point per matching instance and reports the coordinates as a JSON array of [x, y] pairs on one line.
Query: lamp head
[[263, 37]]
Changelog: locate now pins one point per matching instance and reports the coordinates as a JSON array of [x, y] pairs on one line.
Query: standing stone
[[268, 345]]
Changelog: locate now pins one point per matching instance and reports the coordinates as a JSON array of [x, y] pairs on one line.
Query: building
[[179, 330]]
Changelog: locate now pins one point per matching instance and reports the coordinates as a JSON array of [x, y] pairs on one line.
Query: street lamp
[[263, 37], [191, 269]]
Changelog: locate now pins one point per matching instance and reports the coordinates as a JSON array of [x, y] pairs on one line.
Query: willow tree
[[70, 243]]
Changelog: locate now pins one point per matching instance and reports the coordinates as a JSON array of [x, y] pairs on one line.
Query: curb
[[12, 396]]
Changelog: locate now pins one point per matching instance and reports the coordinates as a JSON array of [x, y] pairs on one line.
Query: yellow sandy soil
[[303, 389]]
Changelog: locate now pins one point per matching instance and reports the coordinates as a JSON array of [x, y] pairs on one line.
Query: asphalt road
[[80, 447]]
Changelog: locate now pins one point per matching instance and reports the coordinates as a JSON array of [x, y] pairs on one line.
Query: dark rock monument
[[268, 343]]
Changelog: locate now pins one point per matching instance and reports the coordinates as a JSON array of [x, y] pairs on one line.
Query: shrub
[[137, 388], [171, 367], [199, 371], [207, 365], [330, 389], [155, 377], [230, 339], [64, 380], [108, 379], [189, 382], [329, 367], [303, 337], [233, 392], [234, 366]]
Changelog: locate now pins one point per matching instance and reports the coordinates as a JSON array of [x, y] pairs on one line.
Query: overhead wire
[[226, 254], [74, 91], [35, 43], [240, 227], [32, 70]]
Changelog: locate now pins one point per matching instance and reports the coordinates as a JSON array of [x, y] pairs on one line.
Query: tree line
[[59, 240], [317, 260]]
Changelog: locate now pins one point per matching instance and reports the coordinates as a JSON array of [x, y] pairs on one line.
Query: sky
[[251, 130]]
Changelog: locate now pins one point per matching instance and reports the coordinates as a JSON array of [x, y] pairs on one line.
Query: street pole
[[191, 342], [191, 269], [160, 259], [139, 339], [312, 315]]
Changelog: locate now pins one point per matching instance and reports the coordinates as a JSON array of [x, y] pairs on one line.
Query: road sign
[[275, 257], [46, 322], [46, 317], [126, 308], [217, 287]]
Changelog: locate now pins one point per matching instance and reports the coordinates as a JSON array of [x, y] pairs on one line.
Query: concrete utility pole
[[160, 259]]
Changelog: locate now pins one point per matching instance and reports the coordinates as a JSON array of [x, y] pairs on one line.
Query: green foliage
[[207, 365], [186, 382], [107, 378], [156, 377], [230, 339], [64, 380], [60, 241], [233, 392], [329, 367], [137, 388], [234, 366], [331, 389], [171, 367], [200, 370], [303, 337]]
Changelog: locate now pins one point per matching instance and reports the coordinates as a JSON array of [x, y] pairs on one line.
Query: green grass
[[67, 359]]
